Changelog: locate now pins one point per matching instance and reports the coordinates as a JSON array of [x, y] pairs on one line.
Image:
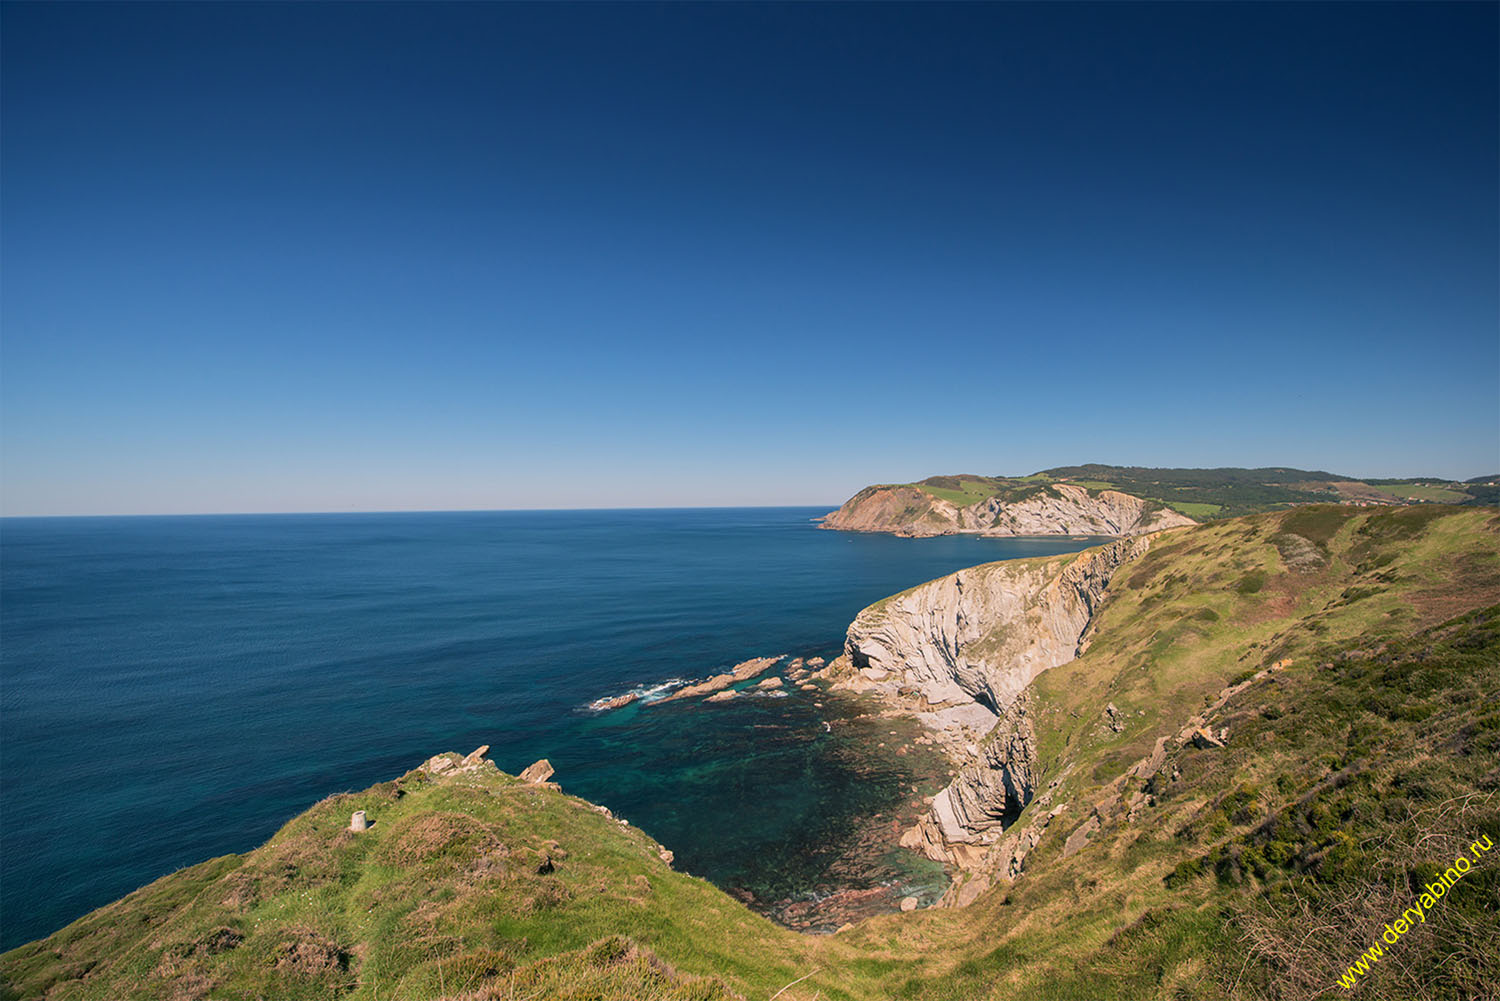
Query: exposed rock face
[[1074, 512], [451, 765], [980, 636], [987, 795], [1206, 739], [537, 772], [902, 510], [1056, 509]]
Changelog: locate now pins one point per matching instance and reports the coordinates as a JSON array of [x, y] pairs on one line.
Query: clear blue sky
[[301, 257]]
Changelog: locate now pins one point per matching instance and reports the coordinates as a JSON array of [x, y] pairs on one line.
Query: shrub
[[1186, 872], [1251, 582]]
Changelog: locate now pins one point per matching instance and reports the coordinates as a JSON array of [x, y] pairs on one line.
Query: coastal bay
[[176, 688]]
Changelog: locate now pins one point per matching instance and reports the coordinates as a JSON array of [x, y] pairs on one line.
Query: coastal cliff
[[983, 633], [1040, 509], [1071, 692], [960, 651]]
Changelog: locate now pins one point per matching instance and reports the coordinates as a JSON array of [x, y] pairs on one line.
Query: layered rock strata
[[960, 652], [985, 798], [1056, 509]]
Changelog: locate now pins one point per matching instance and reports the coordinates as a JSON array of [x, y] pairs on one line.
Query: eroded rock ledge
[[959, 652]]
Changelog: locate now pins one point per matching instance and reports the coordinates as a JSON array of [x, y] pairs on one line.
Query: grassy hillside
[[967, 490], [461, 883], [1254, 870], [1204, 494], [1260, 869], [1233, 492]]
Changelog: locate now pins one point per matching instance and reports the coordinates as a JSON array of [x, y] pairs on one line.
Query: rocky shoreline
[[872, 872]]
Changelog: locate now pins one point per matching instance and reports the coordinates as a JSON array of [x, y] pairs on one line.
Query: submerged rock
[[613, 702], [743, 671]]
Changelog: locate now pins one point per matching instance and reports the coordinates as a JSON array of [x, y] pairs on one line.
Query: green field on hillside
[[1427, 490], [1205, 494]]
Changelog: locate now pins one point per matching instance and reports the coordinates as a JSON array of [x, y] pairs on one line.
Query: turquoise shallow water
[[172, 689]]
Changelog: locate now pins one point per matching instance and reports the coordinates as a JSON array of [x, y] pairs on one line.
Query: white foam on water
[[643, 693]]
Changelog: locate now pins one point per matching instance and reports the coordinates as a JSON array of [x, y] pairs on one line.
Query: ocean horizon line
[[386, 511]]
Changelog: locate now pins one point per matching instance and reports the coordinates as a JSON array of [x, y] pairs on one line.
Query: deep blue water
[[172, 689]]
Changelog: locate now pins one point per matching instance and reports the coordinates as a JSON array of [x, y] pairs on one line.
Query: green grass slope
[[1204, 494], [1264, 869], [1257, 870], [1260, 869], [1230, 492], [461, 885]]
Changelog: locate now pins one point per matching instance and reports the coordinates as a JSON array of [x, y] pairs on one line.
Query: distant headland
[[1124, 500]]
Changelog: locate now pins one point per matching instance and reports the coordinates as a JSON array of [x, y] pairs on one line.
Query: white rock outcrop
[[984, 633], [978, 638]]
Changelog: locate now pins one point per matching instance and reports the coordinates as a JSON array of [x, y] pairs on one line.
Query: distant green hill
[[1224, 493]]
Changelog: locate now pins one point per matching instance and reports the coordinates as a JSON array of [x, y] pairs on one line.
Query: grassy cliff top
[[1213, 493]]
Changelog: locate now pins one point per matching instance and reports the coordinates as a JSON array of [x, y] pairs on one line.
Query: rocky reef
[[1052, 509], [743, 671]]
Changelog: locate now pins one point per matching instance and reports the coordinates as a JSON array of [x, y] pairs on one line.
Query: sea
[[176, 688]]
